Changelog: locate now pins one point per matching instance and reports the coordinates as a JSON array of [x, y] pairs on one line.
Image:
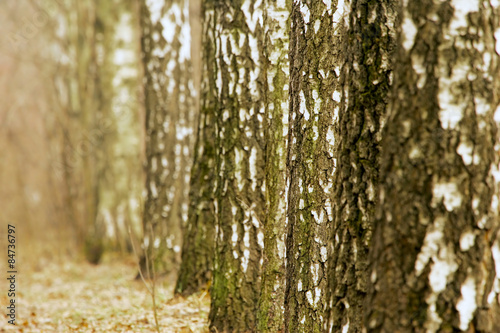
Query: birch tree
[[116, 136], [276, 93], [169, 120], [199, 236], [366, 34], [434, 260], [314, 95], [240, 200]]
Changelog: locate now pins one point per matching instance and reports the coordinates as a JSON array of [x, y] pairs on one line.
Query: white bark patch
[[317, 24], [341, 13], [315, 273], [330, 137], [323, 254], [443, 267], [495, 251], [280, 244], [223, 47], [497, 39], [253, 168], [301, 204], [252, 18], [306, 14], [246, 237], [309, 297], [244, 260], [467, 240], [418, 64], [328, 208], [345, 328], [409, 32], [482, 106], [433, 319], [415, 153], [451, 109], [432, 240], [447, 192], [466, 306], [494, 204], [260, 239], [299, 285], [317, 296], [234, 237], [238, 172], [156, 243], [328, 4], [154, 191], [494, 292], [461, 9], [336, 96], [154, 7], [317, 102], [302, 98], [465, 150]]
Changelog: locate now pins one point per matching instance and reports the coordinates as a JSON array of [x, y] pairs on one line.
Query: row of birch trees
[[342, 160], [327, 165]]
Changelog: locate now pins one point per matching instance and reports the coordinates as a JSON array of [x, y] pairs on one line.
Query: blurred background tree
[[73, 124]]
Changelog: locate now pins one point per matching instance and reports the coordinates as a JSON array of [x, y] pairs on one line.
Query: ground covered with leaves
[[79, 297]]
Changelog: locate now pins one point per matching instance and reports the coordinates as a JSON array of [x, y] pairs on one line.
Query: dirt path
[[104, 298]]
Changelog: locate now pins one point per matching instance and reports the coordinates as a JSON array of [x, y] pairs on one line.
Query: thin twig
[[151, 290]]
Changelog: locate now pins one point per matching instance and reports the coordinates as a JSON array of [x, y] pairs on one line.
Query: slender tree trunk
[[314, 58], [434, 260], [240, 191], [366, 35], [199, 236], [169, 103], [116, 132], [272, 297]]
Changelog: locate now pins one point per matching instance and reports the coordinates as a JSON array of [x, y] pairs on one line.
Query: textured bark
[[314, 56], [199, 236], [240, 200], [169, 129], [367, 41], [435, 249], [272, 297]]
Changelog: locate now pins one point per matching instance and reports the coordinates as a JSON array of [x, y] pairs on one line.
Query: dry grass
[[78, 297]]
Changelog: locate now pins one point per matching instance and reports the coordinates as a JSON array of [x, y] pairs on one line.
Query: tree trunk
[[199, 236], [117, 131], [367, 39], [240, 190], [169, 131], [272, 297], [315, 59], [434, 260]]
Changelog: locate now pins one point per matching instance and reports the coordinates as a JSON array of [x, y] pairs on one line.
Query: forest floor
[[79, 297]]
